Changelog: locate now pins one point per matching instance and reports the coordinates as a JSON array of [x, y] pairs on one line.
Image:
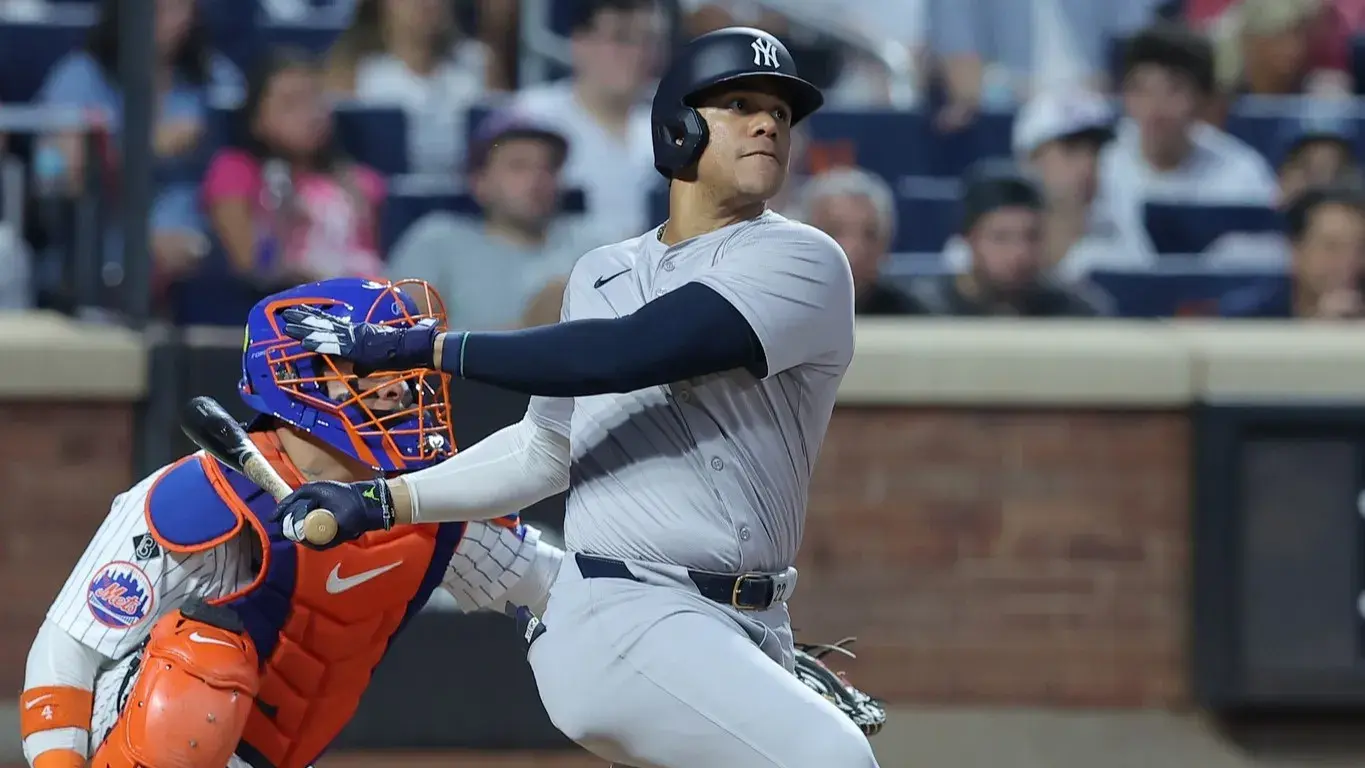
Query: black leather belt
[[746, 591]]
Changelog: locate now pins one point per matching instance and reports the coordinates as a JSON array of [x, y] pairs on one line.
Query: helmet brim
[[803, 97]]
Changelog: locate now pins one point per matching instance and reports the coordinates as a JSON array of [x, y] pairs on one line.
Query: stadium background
[[1062, 544]]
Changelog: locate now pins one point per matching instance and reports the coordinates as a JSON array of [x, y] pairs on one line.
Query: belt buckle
[[739, 586]]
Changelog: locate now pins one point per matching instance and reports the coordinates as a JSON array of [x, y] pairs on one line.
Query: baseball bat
[[206, 423]]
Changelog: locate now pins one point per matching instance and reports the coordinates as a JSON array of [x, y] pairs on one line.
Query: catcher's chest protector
[[320, 621]]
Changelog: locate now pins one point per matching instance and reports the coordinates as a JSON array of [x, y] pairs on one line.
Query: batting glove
[[358, 508], [370, 346]]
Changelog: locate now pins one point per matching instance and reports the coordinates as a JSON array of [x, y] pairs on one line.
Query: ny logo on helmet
[[765, 53]]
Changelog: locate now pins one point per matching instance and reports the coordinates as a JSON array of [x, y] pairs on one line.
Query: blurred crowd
[[976, 157]]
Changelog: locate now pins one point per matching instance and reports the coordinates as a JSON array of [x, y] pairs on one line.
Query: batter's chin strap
[[867, 713]]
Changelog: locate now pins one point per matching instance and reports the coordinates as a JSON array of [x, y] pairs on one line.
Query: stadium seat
[[1157, 294], [376, 136], [1268, 124], [1264, 133], [926, 222], [411, 198], [29, 49], [231, 25], [1185, 228], [242, 37], [897, 144], [213, 295], [311, 37], [1358, 63]]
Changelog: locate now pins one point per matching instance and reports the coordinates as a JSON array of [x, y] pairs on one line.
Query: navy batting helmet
[[723, 56]]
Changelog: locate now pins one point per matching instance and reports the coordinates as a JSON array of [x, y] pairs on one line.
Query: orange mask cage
[[393, 421]]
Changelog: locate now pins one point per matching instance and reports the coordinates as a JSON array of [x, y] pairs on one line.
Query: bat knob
[[319, 528]]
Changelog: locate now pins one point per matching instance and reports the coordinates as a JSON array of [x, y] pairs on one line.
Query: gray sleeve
[[952, 27], [794, 286]]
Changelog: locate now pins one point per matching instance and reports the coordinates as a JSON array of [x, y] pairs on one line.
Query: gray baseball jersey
[[711, 473]]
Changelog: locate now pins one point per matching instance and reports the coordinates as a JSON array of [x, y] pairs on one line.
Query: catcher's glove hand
[[866, 712]]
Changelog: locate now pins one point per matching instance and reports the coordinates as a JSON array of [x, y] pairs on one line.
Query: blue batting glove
[[358, 508], [370, 346]]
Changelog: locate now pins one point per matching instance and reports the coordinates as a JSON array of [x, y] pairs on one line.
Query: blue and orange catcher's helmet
[[390, 421]]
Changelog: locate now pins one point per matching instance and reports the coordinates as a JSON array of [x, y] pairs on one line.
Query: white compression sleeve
[[58, 659], [502, 474]]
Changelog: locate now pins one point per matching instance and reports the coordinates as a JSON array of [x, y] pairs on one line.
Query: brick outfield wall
[[1007, 557]]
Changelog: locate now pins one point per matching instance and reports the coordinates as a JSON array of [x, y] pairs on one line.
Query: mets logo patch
[[120, 596]]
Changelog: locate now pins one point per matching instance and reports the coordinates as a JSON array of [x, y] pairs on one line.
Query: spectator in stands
[[411, 54], [600, 109], [998, 53], [1329, 45], [489, 269], [814, 30], [1317, 154], [858, 210], [1163, 152], [1326, 227], [189, 76], [1003, 213], [1058, 136], [1265, 47], [287, 206]]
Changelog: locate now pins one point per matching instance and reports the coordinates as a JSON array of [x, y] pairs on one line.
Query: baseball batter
[[682, 401], [193, 634]]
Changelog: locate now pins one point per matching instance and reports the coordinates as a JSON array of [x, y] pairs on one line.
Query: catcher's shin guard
[[195, 686]]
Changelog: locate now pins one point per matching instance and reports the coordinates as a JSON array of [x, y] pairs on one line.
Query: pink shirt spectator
[[333, 227]]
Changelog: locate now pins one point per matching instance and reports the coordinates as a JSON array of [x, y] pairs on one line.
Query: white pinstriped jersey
[[124, 582]]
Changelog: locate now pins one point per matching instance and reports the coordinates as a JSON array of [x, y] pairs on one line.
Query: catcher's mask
[[389, 421]]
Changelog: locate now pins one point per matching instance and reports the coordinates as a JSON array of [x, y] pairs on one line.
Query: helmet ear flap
[[681, 139]]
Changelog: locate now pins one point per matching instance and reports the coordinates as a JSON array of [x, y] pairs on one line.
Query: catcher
[[192, 634]]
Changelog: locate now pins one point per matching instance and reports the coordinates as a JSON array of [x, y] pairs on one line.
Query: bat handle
[[319, 527]]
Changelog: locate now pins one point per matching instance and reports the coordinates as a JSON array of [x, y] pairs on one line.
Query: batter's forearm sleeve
[[60, 669], [500, 475], [687, 333]]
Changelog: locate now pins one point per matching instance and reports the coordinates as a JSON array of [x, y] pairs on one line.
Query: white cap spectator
[[1060, 115]]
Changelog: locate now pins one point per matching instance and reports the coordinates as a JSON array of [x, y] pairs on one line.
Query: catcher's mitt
[[866, 712]]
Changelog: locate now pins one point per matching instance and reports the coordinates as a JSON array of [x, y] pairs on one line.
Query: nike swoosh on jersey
[[601, 281], [37, 701], [336, 584], [198, 638]]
